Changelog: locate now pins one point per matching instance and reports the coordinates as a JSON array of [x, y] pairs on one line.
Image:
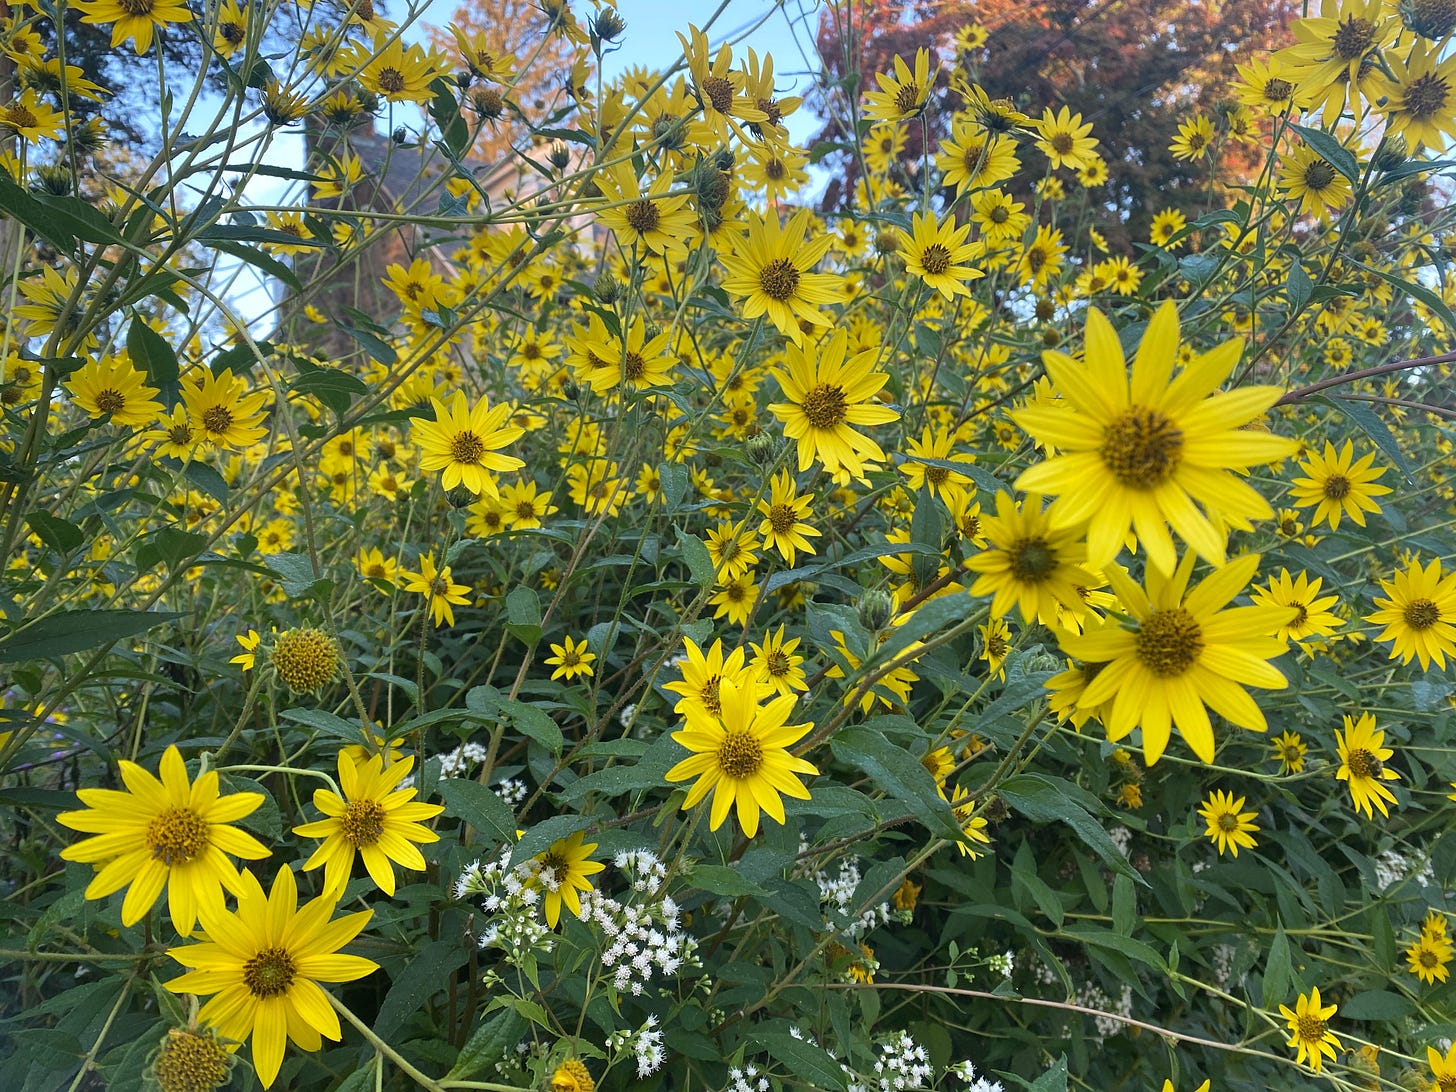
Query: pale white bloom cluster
[[511, 899], [903, 1063], [644, 1044], [967, 1072], [512, 790], [1121, 837], [1393, 866], [747, 1079], [457, 763], [1094, 997], [640, 941], [836, 891], [1002, 964]]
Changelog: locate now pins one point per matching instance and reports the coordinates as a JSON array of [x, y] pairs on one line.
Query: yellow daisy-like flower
[[769, 269], [1420, 96], [1420, 615], [463, 441], [826, 396], [1331, 46], [133, 20], [732, 549], [974, 158], [222, 410], [662, 224], [701, 675], [31, 118], [1313, 616], [436, 584], [1309, 178], [163, 833], [1229, 826], [1166, 224], [783, 528], [112, 387], [264, 964], [1184, 653], [1194, 138], [736, 600], [904, 94], [374, 818], [571, 659], [1309, 1029], [779, 664], [1428, 958], [938, 253], [1363, 764], [1065, 139], [1289, 751], [1443, 1069], [1335, 486], [572, 1075], [1029, 564], [973, 826], [741, 756], [1140, 449], [562, 875], [397, 71]]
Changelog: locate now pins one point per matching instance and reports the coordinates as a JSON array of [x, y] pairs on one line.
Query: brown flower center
[[1421, 613], [466, 447], [1169, 642], [1062, 143], [391, 81], [1032, 560], [935, 259], [1277, 90], [642, 216], [1141, 448], [825, 406], [782, 517], [110, 401], [779, 279], [740, 755], [634, 367], [907, 97], [1426, 96], [1319, 175], [778, 663], [1311, 1029], [1337, 487], [362, 822], [269, 973], [1363, 764], [1228, 822], [177, 836], [719, 90], [1353, 38], [217, 419]]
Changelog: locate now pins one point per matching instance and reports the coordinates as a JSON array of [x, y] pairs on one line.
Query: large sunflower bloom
[[163, 833], [463, 441], [374, 818], [827, 395], [741, 756], [1184, 654], [769, 268], [1420, 615], [1139, 448], [1029, 564], [264, 964], [135, 20]]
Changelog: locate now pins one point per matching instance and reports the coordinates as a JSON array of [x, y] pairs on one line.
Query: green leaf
[[295, 572], [59, 534], [207, 480], [170, 545], [44, 221], [1124, 906], [699, 561], [266, 263], [425, 974], [1053, 1080], [722, 880], [478, 806], [487, 1045], [334, 388], [535, 723], [1377, 1005], [1370, 423], [899, 773], [809, 1063], [1106, 938], [152, 353], [1299, 288], [543, 835], [71, 631], [523, 614], [331, 725], [1040, 800], [1331, 150], [1277, 970]]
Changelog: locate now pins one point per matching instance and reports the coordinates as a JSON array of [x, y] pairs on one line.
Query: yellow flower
[[783, 528], [1443, 1069], [1428, 958], [1289, 751], [1139, 448], [1229, 826], [737, 599], [1312, 618], [768, 269], [572, 1076], [973, 158], [973, 826], [571, 659], [463, 440], [222, 410], [374, 818], [133, 20], [938, 253], [163, 833], [662, 224], [904, 94], [373, 565], [398, 72], [31, 118], [1420, 615], [1166, 224], [444, 594], [112, 387], [1311, 179], [1193, 139], [562, 872], [1183, 654], [1362, 764], [1309, 1029], [741, 755], [1420, 96], [826, 395], [1065, 139], [264, 963], [1029, 564], [778, 663]]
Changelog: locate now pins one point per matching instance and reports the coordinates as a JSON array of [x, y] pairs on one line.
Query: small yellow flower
[[1309, 1029], [571, 660], [249, 655]]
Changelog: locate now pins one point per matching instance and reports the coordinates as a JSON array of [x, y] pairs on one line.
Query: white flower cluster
[[967, 1072], [836, 891], [641, 941], [1392, 866], [903, 1063], [644, 1044], [457, 763], [747, 1079], [1094, 997], [1002, 964], [511, 898]]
